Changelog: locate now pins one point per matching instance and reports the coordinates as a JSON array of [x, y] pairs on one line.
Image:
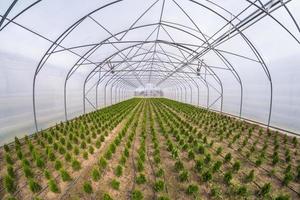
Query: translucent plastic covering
[[62, 58]]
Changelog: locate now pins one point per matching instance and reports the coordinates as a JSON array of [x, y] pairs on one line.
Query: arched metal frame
[[177, 45], [169, 78], [163, 66]]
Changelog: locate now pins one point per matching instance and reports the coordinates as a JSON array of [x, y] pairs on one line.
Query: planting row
[[46, 160]]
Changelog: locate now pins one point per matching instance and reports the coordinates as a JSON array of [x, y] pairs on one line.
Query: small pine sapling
[[9, 184], [87, 187], [76, 165], [34, 186], [159, 185], [53, 186], [95, 174], [115, 184], [137, 195], [65, 175], [192, 189]]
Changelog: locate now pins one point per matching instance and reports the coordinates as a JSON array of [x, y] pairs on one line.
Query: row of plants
[[104, 160], [183, 173], [285, 172], [258, 144], [210, 168], [139, 158], [193, 118], [160, 181], [40, 156], [99, 170]]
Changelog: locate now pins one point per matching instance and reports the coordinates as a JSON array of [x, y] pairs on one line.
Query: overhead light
[[112, 70], [199, 67]]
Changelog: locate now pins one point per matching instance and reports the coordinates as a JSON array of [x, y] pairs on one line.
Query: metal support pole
[[119, 94], [104, 96], [111, 94], [116, 92], [181, 96]]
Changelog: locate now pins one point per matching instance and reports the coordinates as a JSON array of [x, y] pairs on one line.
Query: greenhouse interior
[[149, 99]]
